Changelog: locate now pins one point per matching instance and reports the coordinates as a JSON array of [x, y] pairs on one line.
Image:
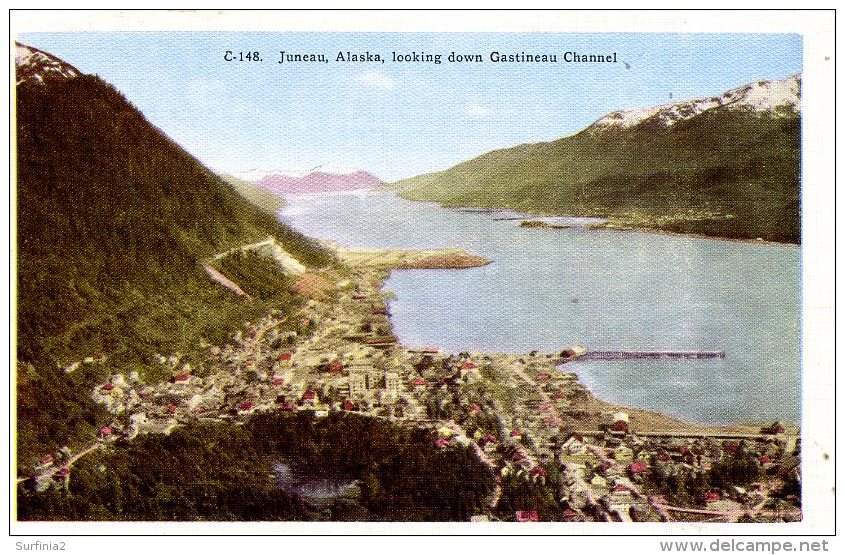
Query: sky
[[400, 119]]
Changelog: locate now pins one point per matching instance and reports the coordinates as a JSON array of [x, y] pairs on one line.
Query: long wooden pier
[[631, 355]]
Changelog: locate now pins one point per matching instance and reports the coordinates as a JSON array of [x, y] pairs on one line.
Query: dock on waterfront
[[652, 355], [625, 355]]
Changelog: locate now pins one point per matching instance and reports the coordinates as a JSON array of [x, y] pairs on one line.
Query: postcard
[[539, 273]]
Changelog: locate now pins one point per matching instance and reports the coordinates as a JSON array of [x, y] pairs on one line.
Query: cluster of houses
[[612, 472], [513, 410], [339, 364], [622, 473]]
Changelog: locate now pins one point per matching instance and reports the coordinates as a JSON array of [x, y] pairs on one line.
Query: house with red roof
[[171, 408], [468, 366], [245, 407], [774, 429], [278, 381], [184, 377], [105, 432], [349, 405], [638, 467], [538, 474], [335, 367], [474, 409], [730, 447], [516, 435], [620, 423], [712, 497], [442, 443], [310, 398], [285, 360], [107, 388], [571, 515], [527, 516]]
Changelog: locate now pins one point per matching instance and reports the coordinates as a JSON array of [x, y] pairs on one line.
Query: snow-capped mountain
[[320, 179], [33, 65], [776, 97], [725, 166]]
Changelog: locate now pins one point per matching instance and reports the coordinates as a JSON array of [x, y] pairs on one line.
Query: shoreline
[[388, 259], [612, 225], [659, 231], [654, 419], [512, 410]]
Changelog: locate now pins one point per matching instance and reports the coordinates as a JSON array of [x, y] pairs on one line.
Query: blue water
[[548, 289]]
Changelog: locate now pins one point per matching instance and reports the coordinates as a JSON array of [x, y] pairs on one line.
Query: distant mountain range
[[321, 179], [726, 166]]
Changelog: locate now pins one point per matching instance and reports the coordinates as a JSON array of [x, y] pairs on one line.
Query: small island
[[542, 224]]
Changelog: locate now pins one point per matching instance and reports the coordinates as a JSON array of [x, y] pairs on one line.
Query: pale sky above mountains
[[398, 119]]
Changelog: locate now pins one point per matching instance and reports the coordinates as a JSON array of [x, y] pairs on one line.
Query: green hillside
[[262, 198], [113, 222], [215, 471], [723, 173]]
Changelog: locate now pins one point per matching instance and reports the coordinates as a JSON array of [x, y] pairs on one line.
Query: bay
[[548, 289]]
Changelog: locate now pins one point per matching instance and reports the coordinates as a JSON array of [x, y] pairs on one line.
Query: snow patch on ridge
[[776, 97], [33, 65]]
